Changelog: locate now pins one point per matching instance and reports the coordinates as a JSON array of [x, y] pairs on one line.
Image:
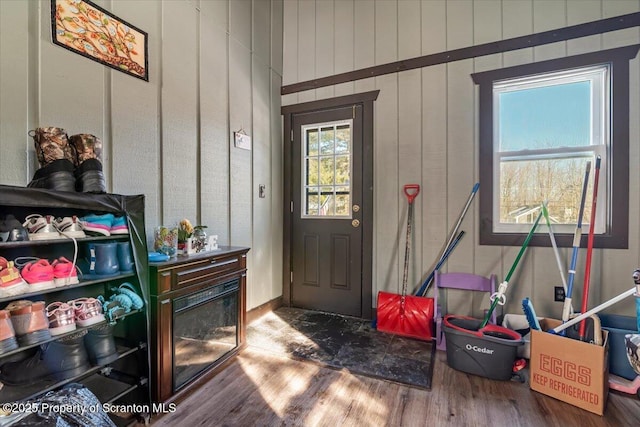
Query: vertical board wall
[[215, 67], [426, 126]]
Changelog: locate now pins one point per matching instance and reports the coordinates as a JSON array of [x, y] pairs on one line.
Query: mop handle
[[450, 240], [498, 297], [587, 270], [425, 286], [566, 308], [633, 291], [552, 236], [474, 190]]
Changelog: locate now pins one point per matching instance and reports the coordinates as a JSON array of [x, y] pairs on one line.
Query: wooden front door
[[328, 187], [327, 216]]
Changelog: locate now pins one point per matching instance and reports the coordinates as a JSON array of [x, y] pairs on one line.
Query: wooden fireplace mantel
[[182, 276]]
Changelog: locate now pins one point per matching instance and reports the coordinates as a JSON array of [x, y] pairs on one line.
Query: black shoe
[[89, 177], [100, 345], [55, 360], [57, 175], [18, 357]]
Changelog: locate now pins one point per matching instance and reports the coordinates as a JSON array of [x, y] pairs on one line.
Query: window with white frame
[[539, 125], [546, 128]]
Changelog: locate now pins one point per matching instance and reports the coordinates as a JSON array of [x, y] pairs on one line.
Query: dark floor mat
[[344, 342]]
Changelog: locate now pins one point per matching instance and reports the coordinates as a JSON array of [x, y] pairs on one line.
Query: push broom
[[498, 297]]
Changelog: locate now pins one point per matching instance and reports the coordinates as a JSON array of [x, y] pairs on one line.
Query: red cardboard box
[[570, 370]]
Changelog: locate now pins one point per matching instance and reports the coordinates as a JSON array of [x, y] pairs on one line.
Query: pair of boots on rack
[[67, 163]]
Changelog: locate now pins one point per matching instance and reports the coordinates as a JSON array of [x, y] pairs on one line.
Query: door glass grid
[[327, 170]]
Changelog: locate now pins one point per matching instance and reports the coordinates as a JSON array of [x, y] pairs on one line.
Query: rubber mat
[[343, 342]]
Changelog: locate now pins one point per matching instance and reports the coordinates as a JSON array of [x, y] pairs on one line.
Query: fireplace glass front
[[205, 328]]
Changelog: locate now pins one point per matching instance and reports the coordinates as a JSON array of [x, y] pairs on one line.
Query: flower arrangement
[[185, 230], [187, 233], [166, 240]]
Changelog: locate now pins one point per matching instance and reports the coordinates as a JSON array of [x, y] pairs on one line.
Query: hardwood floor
[[265, 389]]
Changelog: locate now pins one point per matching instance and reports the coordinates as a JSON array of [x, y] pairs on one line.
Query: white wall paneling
[[616, 266], [461, 169], [179, 103], [169, 138], [14, 85], [426, 126], [434, 124], [389, 216], [132, 104], [214, 130], [344, 18], [364, 54], [262, 233], [275, 185], [306, 49]]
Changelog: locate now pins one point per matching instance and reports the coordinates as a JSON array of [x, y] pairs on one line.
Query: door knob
[[355, 223]]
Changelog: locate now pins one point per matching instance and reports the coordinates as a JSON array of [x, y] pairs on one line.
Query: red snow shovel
[[406, 315]]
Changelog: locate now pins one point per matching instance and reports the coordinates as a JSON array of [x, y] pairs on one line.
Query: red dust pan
[[406, 315]]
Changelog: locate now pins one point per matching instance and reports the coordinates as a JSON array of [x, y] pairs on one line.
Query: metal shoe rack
[[124, 381]]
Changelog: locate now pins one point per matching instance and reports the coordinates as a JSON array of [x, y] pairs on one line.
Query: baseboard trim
[[263, 309]]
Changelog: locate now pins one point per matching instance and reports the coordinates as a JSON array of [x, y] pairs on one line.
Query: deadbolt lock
[[356, 208], [355, 223]]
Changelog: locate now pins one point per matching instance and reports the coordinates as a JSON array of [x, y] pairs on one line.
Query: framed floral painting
[[87, 29]]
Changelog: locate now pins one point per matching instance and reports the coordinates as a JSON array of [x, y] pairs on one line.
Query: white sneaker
[[69, 226], [41, 227]]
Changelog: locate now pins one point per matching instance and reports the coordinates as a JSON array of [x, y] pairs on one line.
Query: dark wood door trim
[[366, 101], [327, 104]]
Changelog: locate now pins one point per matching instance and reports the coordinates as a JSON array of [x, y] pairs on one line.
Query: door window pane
[[312, 168], [343, 139], [312, 142], [312, 202], [327, 170], [327, 165], [342, 204], [343, 170], [327, 140]]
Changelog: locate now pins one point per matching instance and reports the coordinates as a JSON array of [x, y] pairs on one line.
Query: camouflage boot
[[57, 159], [89, 176]]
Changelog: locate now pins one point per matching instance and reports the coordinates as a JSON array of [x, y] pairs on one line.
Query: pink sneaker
[[88, 311], [11, 282], [39, 275], [61, 318], [64, 272]]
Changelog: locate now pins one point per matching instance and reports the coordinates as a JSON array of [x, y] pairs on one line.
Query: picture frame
[[87, 29], [241, 140]]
